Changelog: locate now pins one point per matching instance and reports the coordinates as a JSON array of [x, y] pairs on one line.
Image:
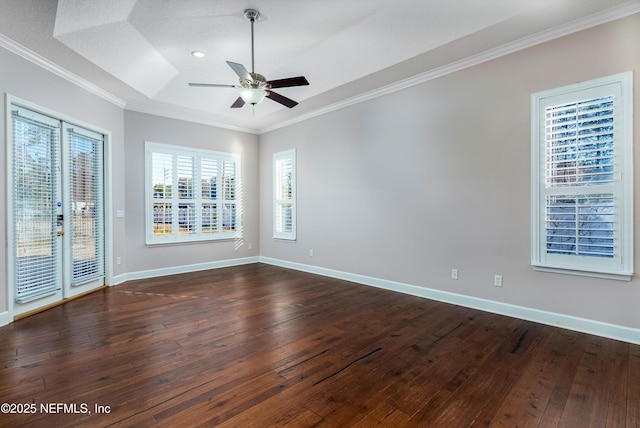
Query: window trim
[[198, 236], [620, 268], [286, 155]]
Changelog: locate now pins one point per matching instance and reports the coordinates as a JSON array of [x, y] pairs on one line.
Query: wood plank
[[617, 411], [531, 394], [633, 387], [588, 401]]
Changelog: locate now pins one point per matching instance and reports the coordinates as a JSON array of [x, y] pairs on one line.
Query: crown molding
[[612, 14], [40, 61]]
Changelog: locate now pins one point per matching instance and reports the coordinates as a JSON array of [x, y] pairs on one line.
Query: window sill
[[283, 239], [622, 276], [192, 241]]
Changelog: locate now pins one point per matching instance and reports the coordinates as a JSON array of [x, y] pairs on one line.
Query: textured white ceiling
[[139, 50]]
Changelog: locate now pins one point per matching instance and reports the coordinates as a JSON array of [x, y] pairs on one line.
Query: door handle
[[60, 233]]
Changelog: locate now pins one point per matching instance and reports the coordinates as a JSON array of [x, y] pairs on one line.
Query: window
[[191, 194], [582, 178], [284, 195]]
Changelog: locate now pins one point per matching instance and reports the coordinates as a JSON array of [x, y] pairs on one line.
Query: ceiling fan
[[254, 87]]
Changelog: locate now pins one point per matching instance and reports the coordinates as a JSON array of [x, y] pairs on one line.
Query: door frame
[[13, 101]]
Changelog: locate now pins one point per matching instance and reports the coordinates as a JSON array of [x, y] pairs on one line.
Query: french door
[[56, 224]]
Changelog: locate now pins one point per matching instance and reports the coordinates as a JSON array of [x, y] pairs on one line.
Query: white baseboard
[[4, 318], [569, 322], [118, 279], [152, 273]]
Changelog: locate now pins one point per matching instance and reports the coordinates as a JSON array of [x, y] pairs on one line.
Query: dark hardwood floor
[[262, 346]]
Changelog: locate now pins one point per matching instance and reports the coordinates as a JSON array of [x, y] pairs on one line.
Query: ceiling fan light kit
[[253, 88], [252, 95]]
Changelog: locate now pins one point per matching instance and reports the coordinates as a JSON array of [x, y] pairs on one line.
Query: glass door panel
[[36, 240], [84, 255]]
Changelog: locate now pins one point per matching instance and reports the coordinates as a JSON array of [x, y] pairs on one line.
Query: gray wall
[[21, 78], [407, 186], [140, 127]]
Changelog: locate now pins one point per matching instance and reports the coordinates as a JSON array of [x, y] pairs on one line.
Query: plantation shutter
[[580, 156], [185, 166], [228, 173], [193, 194], [284, 195], [209, 178], [162, 193], [35, 195]]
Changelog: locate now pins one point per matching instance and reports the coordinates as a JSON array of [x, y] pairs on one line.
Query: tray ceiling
[[140, 50]]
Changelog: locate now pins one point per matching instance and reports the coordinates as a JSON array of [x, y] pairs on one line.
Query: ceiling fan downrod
[[252, 15]]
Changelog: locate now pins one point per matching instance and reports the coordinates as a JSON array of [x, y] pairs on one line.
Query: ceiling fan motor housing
[[258, 82]]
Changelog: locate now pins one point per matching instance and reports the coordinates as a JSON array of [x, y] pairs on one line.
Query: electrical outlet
[[497, 280], [118, 261], [310, 253], [454, 273], [250, 246]]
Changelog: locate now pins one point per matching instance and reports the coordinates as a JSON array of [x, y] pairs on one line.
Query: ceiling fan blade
[[211, 85], [291, 81], [238, 103], [287, 102], [240, 70]]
